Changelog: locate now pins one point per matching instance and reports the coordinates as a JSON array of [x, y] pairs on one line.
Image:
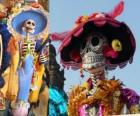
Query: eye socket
[[95, 41], [29, 22], [33, 24]]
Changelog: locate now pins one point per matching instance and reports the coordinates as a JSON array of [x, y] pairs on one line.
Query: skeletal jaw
[[92, 60], [29, 30]]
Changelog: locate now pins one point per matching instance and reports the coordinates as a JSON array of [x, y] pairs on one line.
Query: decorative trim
[[43, 34]]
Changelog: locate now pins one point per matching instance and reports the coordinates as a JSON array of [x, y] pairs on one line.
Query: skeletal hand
[[44, 55], [43, 58]]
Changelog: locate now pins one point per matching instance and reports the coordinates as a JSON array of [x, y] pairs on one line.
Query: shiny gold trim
[[135, 109]]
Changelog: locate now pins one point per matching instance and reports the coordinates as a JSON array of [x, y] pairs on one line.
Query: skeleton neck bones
[[93, 59], [95, 76]]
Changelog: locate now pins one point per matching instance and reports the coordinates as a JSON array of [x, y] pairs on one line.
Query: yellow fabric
[[86, 85], [107, 90], [38, 82], [10, 76], [45, 37], [12, 89], [6, 79], [42, 109]]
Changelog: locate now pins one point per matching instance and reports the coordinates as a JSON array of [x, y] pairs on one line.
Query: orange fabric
[[12, 46], [104, 95], [10, 90], [12, 86], [2, 15], [35, 5], [13, 76]]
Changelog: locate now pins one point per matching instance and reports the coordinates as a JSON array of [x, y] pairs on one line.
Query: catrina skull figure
[[99, 43], [91, 51], [29, 26]]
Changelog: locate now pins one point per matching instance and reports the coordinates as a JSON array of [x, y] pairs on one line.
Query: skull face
[[92, 51], [29, 26]]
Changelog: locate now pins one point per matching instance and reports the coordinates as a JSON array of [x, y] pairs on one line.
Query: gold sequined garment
[[108, 94]]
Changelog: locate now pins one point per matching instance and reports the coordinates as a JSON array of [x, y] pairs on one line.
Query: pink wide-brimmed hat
[[107, 25]]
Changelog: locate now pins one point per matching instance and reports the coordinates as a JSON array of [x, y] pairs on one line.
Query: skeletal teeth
[[91, 59]]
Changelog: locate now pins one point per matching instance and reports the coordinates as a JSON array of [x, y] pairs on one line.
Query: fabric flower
[[75, 56], [109, 52]]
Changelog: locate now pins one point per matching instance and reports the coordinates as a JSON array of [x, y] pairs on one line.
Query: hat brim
[[112, 29], [40, 16]]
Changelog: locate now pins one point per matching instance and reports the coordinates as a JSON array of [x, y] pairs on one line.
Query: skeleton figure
[[30, 70], [18, 77], [27, 45], [99, 43]]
